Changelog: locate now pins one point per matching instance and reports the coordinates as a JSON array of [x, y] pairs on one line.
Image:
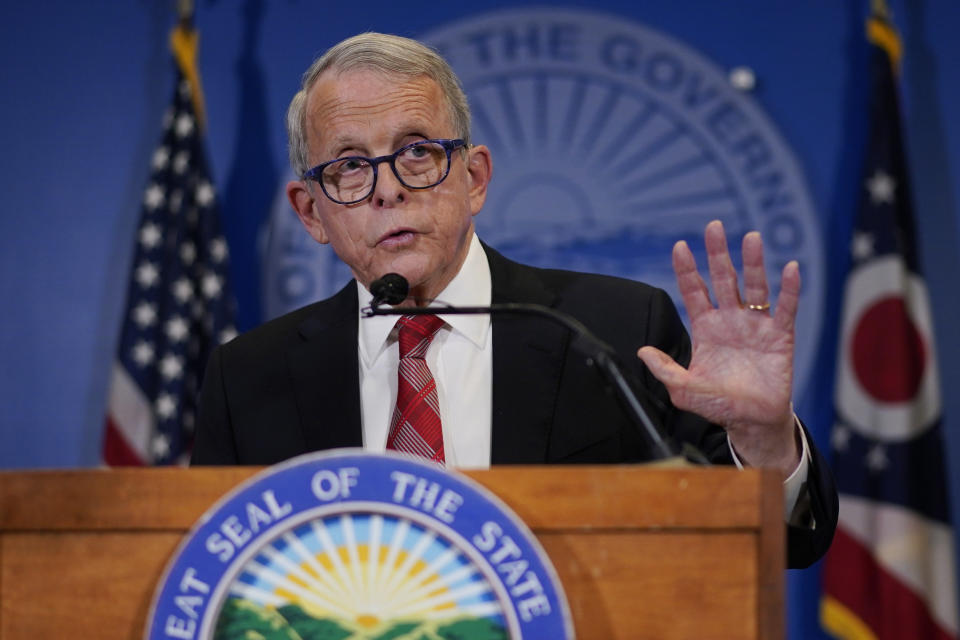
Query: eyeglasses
[[420, 165]]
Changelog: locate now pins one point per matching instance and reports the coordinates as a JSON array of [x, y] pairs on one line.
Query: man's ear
[[479, 170], [303, 201]]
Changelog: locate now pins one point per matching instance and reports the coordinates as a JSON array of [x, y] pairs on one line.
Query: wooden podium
[[641, 552]]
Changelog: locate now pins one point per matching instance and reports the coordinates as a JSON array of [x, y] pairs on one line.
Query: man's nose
[[389, 191]]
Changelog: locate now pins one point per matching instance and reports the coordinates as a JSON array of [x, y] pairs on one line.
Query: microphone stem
[[607, 365]]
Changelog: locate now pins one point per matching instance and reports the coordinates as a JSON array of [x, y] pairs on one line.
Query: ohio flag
[[179, 304], [890, 571]]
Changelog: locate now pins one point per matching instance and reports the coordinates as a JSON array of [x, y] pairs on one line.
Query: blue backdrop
[[84, 89]]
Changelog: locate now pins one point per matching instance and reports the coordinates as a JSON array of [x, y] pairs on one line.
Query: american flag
[[890, 572], [179, 302]]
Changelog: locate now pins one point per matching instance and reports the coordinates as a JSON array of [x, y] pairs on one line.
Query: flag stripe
[[913, 550], [875, 596], [116, 448], [131, 416]]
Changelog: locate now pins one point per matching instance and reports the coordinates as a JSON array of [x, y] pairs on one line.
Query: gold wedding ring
[[759, 307]]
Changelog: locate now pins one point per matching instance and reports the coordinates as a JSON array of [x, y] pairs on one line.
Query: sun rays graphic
[[368, 573], [590, 157]]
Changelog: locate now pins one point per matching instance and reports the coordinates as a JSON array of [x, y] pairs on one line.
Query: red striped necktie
[[415, 427]]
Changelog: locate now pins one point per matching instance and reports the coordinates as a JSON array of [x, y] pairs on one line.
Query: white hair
[[381, 52]]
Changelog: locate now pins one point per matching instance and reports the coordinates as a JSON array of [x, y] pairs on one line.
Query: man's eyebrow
[[342, 143], [339, 145]]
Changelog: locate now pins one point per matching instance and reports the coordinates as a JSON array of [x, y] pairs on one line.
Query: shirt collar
[[470, 287]]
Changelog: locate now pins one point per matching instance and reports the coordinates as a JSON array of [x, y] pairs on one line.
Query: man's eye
[[419, 151], [351, 165]]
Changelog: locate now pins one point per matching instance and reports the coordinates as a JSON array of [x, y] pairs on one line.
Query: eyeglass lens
[[419, 166]]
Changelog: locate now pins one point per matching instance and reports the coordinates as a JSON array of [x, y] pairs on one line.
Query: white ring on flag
[[887, 277]]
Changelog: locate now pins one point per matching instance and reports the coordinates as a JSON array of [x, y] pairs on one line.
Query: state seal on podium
[[348, 544]]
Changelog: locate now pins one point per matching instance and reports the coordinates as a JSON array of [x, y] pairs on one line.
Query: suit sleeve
[[806, 544], [214, 443]]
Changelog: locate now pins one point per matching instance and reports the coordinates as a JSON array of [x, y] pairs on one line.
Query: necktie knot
[[416, 334]]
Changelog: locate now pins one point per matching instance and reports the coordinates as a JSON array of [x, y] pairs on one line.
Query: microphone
[[393, 289]]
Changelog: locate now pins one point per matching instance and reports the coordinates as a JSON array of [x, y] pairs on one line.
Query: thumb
[[662, 366]]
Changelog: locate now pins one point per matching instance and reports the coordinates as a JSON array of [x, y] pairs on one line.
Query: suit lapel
[[325, 374], [528, 354]]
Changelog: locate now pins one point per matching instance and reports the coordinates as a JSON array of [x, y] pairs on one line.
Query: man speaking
[[380, 137]]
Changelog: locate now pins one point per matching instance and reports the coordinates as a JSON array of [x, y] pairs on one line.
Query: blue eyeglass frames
[[419, 165]]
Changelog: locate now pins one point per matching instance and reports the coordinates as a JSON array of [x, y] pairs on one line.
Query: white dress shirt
[[460, 358]]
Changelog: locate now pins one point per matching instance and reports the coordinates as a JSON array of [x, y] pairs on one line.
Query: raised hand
[[741, 369]]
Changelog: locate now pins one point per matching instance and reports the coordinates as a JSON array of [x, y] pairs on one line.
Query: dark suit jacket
[[291, 386]]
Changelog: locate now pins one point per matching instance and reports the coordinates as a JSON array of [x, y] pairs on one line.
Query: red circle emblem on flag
[[887, 385], [888, 352]]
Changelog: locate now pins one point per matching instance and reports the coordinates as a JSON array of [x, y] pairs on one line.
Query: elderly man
[[380, 135]]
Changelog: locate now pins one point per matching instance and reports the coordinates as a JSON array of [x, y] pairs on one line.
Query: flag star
[[184, 125], [150, 235], [160, 446], [204, 193], [188, 253], [160, 158], [840, 438], [154, 197], [144, 314], [197, 309], [142, 353], [171, 367], [182, 290], [184, 90], [218, 249], [228, 334], [177, 329], [181, 161], [862, 245], [147, 274], [877, 458], [192, 217], [881, 187], [166, 406], [167, 118], [211, 285]]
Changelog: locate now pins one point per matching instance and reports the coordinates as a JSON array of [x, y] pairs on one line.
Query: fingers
[[692, 288], [789, 298], [724, 279], [723, 276], [755, 289]]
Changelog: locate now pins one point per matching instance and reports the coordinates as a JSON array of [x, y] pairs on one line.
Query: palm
[[741, 369]]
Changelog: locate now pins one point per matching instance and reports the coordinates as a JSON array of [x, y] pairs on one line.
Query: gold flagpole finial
[[185, 42]]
